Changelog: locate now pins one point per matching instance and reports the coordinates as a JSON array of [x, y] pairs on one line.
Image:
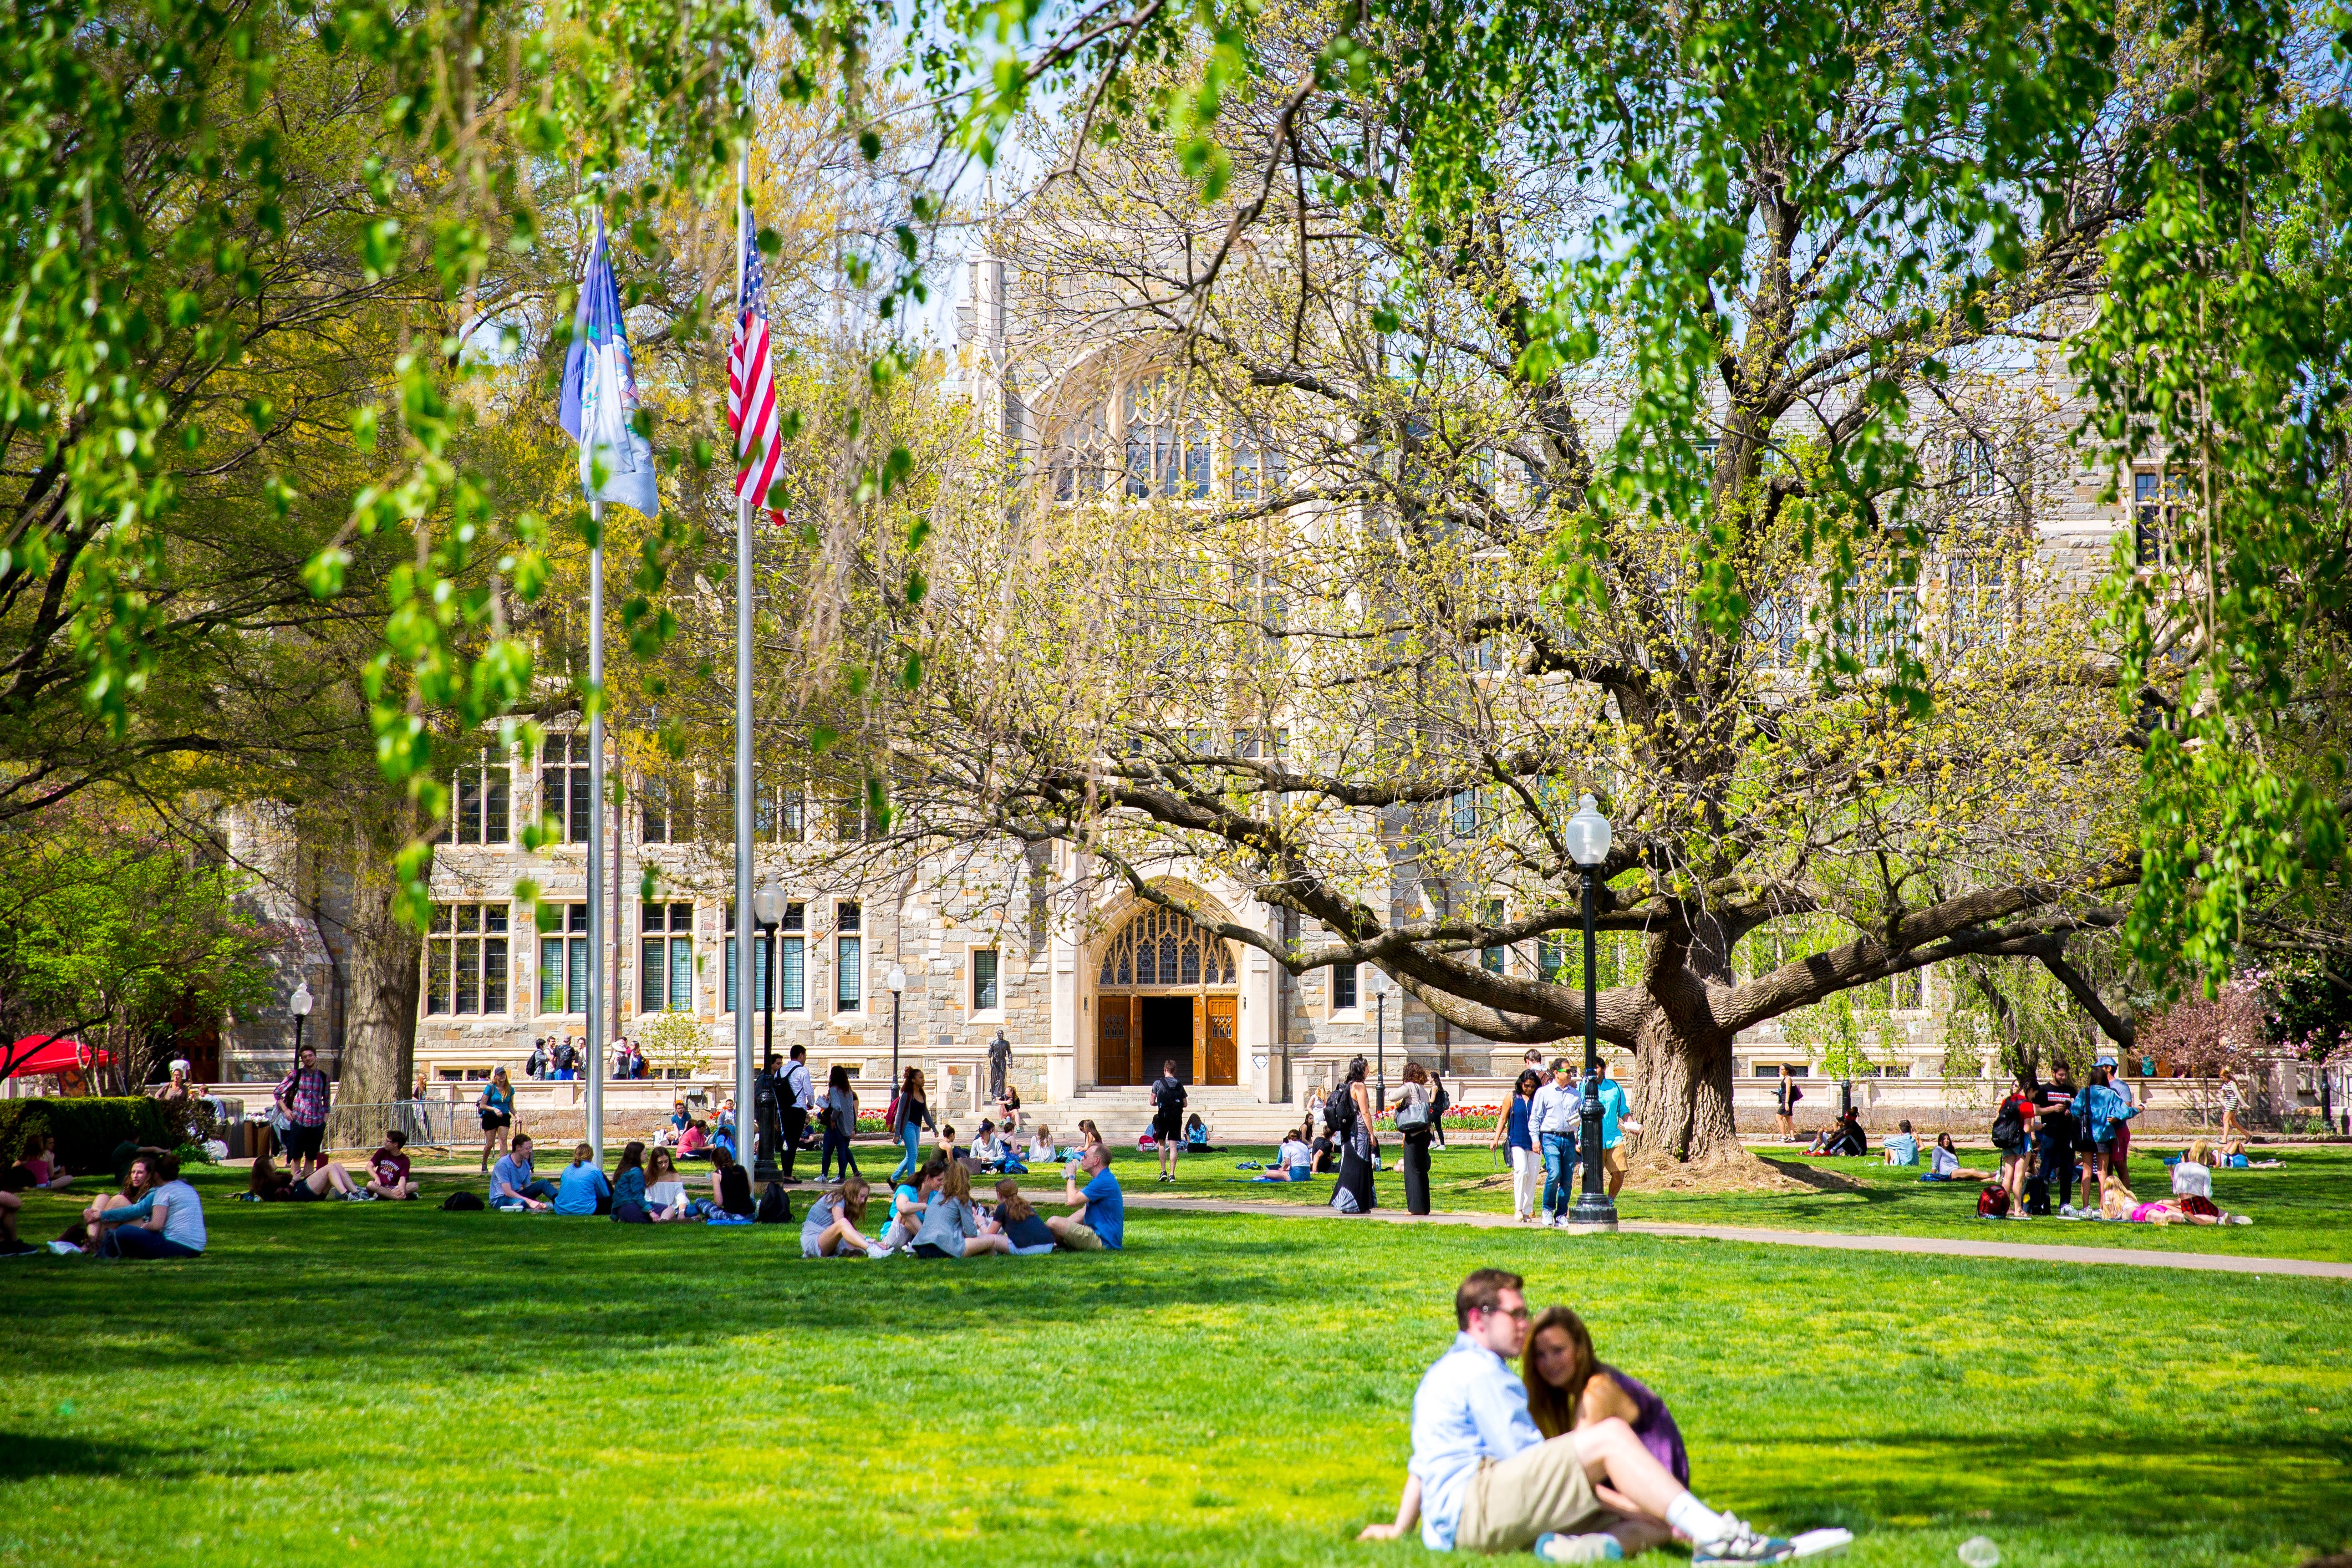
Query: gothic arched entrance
[[1167, 991]]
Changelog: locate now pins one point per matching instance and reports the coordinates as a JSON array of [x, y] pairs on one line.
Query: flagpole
[[596, 835], [745, 1120]]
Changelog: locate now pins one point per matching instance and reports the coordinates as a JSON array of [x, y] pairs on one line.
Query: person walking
[[1553, 1115], [1513, 1131], [2234, 1100], [495, 1105], [1412, 1124], [910, 1117], [767, 1119], [796, 1098], [1351, 1112], [1785, 1095], [1440, 1102], [840, 1122], [303, 1095], [1616, 1120], [536, 1067], [1168, 1119]]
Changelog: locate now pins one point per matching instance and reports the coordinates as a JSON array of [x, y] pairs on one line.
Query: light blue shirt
[[1903, 1148], [1555, 1110], [183, 1214], [1613, 1106], [1470, 1407]]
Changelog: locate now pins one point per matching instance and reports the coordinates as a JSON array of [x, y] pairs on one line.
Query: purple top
[[1653, 1423]]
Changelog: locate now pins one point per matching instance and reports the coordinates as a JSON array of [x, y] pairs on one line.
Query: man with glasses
[[1554, 1117], [1483, 1479]]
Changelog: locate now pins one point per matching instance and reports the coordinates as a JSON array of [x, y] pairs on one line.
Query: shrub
[[87, 1130]]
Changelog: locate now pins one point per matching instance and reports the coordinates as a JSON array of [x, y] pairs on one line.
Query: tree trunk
[[380, 1031], [1681, 1093]]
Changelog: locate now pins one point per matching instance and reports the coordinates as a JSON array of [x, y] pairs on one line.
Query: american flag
[[751, 385]]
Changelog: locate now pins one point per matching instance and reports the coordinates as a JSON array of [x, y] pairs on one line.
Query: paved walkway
[[2023, 1251]]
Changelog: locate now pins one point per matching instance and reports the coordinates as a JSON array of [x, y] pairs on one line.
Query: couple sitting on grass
[[1589, 1469]]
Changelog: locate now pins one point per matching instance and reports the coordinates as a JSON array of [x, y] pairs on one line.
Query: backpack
[[776, 1206], [1340, 1110], [1993, 1203], [1168, 1095], [1441, 1104], [462, 1201], [2009, 1126]]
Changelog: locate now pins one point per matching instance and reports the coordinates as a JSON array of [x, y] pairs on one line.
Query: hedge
[[87, 1130]]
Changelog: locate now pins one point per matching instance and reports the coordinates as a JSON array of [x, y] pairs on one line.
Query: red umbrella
[[47, 1053]]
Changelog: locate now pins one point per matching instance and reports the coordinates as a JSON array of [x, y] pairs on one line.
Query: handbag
[[1412, 1116]]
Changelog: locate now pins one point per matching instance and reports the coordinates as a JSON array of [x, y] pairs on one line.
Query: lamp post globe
[[298, 1006], [1587, 836], [895, 977]]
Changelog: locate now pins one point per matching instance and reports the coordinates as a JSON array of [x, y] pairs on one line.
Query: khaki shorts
[[1511, 1503], [1613, 1161], [1080, 1238]]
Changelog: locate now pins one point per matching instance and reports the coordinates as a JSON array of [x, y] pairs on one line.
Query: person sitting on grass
[[1325, 1157], [830, 1227], [581, 1187], [168, 1220], [137, 1183], [629, 1186], [951, 1228], [694, 1142], [666, 1199], [1291, 1161], [2118, 1202], [1196, 1137], [39, 1164], [1483, 1477], [1570, 1388], [1842, 1138], [946, 1143], [388, 1168], [1944, 1164], [1089, 1136], [730, 1186], [513, 1188], [11, 1245], [987, 1149], [1903, 1148], [1021, 1222], [1098, 1216], [1041, 1145], [272, 1185]]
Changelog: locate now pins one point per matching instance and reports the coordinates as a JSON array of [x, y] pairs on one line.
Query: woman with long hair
[[951, 1227], [1513, 1128], [495, 1105], [1020, 1222], [1412, 1114], [913, 1116], [840, 1122], [629, 1186], [1351, 1110], [665, 1198], [830, 1228], [1569, 1388]]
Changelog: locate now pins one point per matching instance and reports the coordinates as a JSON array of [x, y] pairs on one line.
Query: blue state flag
[[600, 394]]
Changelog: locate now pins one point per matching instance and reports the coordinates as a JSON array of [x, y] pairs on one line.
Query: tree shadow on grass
[[26, 1457], [1897, 1478]]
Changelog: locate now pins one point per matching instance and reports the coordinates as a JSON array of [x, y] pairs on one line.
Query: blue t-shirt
[[1613, 1106], [1903, 1148], [1518, 1137], [184, 1215], [1106, 1209], [577, 1190]]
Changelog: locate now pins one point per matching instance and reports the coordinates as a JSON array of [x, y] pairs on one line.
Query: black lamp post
[[1588, 845], [1379, 981], [896, 979]]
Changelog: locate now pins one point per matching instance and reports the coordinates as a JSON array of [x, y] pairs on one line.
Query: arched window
[[1160, 947]]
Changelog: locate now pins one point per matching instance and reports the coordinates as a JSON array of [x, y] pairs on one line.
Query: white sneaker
[[2242, 1219], [1553, 1547], [1742, 1543]]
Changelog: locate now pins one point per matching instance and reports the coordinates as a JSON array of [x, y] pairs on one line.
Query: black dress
[[1355, 1162]]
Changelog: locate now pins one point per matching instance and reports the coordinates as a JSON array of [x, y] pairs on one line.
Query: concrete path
[[2022, 1251]]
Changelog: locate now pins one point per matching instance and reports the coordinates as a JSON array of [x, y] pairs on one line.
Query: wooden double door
[[1136, 1034]]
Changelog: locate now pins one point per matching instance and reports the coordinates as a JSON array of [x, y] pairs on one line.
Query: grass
[[2302, 1209], [392, 1385]]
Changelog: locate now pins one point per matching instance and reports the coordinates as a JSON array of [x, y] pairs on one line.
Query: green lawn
[[392, 1385], [2302, 1209]]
